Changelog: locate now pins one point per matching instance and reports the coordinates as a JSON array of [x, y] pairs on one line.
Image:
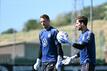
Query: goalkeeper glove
[[59, 63], [37, 64], [67, 59]]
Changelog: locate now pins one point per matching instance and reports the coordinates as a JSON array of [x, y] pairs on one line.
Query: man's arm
[[59, 58], [85, 42], [60, 50], [40, 53], [80, 46], [59, 53], [67, 60]]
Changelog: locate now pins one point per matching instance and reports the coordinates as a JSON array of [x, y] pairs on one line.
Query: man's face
[[78, 25], [44, 22]]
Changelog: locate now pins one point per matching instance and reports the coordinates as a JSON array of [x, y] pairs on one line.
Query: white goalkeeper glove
[[59, 63], [62, 38], [37, 64], [68, 60]]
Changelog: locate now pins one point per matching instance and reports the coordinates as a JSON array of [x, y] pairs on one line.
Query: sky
[[15, 13]]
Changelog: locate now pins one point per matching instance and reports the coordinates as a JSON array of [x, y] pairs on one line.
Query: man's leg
[[42, 67], [88, 67], [50, 67]]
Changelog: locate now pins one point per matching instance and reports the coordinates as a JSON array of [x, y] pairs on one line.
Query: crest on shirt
[[44, 42], [83, 38], [49, 35]]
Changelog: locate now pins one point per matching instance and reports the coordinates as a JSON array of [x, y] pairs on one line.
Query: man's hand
[[59, 63], [67, 60], [63, 38], [37, 64]]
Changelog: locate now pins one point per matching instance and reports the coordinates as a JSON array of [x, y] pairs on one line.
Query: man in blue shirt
[[50, 53], [86, 45]]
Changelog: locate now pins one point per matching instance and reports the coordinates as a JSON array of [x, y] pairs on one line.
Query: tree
[[63, 19], [9, 31], [99, 12], [31, 25]]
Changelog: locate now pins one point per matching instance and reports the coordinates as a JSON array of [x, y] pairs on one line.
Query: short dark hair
[[45, 16], [83, 19]]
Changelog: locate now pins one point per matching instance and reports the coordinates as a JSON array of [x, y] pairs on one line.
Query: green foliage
[[31, 25], [9, 31], [63, 19], [99, 12], [100, 61]]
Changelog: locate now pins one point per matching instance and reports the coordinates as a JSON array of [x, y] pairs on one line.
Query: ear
[[82, 24]]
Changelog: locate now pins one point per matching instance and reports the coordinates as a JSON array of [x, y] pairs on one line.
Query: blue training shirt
[[48, 44], [86, 44]]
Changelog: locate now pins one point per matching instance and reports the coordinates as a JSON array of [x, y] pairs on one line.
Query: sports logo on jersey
[[83, 38], [44, 42], [49, 35]]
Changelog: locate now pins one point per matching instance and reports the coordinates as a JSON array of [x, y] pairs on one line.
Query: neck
[[84, 29], [46, 27]]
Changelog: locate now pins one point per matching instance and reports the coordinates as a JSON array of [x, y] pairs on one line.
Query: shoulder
[[89, 34], [54, 30], [40, 33]]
